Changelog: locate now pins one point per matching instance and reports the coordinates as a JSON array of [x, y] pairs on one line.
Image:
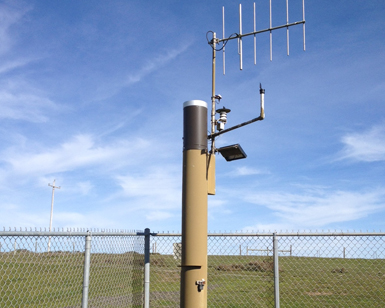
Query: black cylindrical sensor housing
[[194, 125]]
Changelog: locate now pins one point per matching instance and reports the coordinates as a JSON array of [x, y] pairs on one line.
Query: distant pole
[[50, 220]]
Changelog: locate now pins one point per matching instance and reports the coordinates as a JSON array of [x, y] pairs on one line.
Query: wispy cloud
[[18, 101], [153, 189], [13, 64], [84, 187], [154, 64], [79, 152], [15, 214], [242, 171], [312, 209], [367, 146], [9, 15], [158, 215]]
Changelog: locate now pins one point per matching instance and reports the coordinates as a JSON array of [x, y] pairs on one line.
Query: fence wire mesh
[[47, 271], [165, 271], [117, 272], [332, 271], [315, 270], [235, 278]]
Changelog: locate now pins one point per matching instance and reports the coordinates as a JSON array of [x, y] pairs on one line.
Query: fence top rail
[[236, 234], [66, 233], [282, 234]]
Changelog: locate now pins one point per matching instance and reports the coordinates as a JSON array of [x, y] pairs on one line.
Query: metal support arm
[[260, 118]]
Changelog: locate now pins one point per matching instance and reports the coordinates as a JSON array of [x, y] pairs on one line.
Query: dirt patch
[[339, 270], [255, 266]]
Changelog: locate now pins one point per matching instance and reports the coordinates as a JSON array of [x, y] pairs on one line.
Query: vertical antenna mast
[[223, 37], [287, 28], [303, 25], [240, 38], [255, 37], [271, 35]]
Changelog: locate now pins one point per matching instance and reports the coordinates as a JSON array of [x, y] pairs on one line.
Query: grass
[[248, 281], [116, 280], [56, 280]]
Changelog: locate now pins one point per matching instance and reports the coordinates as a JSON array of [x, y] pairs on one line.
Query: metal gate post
[[276, 271], [86, 274], [147, 268]]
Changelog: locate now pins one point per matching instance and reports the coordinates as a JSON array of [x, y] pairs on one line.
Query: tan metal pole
[[194, 206]]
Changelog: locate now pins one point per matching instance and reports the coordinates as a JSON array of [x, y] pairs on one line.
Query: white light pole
[[50, 220]]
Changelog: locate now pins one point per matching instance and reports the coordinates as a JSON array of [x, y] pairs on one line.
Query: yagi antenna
[[240, 35], [214, 42]]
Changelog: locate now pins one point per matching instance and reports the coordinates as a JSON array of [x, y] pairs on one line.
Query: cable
[[210, 42]]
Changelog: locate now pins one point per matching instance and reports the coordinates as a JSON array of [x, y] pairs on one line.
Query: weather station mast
[[199, 160]]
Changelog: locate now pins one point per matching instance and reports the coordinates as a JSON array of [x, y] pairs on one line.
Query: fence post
[[86, 274], [276, 271], [147, 268]]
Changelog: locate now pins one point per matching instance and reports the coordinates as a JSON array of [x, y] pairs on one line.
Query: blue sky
[[91, 94]]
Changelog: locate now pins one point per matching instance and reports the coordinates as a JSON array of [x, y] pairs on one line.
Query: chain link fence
[[300, 270], [59, 269], [115, 269]]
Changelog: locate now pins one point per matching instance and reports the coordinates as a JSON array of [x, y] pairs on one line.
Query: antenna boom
[[261, 31]]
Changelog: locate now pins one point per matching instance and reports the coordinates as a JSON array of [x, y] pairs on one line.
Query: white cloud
[[155, 64], [368, 146], [20, 218], [18, 99], [19, 103], [312, 209], [156, 189], [158, 215], [8, 207], [84, 187], [11, 65], [72, 218], [241, 171], [9, 15], [79, 152], [261, 227], [217, 202]]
